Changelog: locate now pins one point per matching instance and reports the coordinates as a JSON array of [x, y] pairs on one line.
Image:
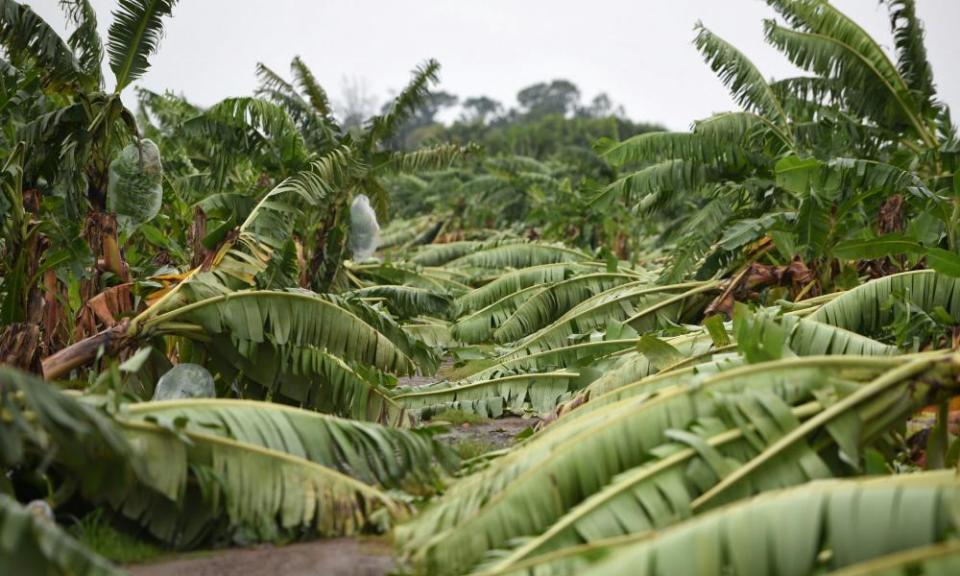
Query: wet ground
[[498, 433], [336, 557]]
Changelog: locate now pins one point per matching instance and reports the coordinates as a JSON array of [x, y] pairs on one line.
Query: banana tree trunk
[[21, 340], [112, 340], [19, 345], [330, 243], [198, 230]]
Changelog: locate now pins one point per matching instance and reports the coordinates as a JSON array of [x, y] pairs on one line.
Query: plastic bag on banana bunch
[[135, 184], [185, 381], [364, 229]]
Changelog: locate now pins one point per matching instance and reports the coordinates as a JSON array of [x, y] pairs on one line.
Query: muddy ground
[[337, 557]]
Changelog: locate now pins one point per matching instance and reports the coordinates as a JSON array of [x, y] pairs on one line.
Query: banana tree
[[190, 468], [819, 165], [830, 531], [720, 426], [307, 103], [316, 350], [75, 127]]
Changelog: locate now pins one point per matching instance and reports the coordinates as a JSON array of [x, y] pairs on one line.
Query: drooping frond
[[636, 373], [638, 304], [134, 36], [741, 76], [311, 378], [268, 227], [519, 255], [833, 525], [26, 37], [808, 89], [41, 422], [912, 63], [275, 88], [696, 237], [539, 392], [409, 301], [809, 337], [85, 40], [168, 111], [232, 476], [429, 278], [862, 309], [718, 142], [300, 319], [480, 325], [650, 186], [481, 513], [440, 254], [368, 452], [659, 493], [516, 280], [843, 177], [772, 411], [820, 17], [749, 130], [579, 354], [547, 305], [876, 93], [270, 80], [629, 372], [250, 125]]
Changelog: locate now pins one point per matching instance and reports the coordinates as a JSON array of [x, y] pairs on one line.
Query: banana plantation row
[[736, 345]]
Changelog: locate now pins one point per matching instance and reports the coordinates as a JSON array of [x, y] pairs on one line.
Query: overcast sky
[[638, 51]]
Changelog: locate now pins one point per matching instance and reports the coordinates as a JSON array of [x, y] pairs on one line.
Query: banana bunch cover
[[364, 229], [135, 187]]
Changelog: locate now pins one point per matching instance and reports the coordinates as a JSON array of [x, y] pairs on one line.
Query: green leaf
[[757, 339], [134, 36], [718, 332], [794, 173], [215, 236], [658, 352], [874, 248], [944, 261]]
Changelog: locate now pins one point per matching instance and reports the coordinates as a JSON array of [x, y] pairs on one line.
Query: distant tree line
[[549, 117]]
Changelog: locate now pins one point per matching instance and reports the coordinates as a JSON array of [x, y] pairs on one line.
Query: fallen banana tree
[[844, 410]]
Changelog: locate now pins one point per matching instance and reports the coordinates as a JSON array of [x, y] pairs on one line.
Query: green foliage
[[695, 320], [97, 533], [34, 545], [134, 36], [468, 449], [459, 417]]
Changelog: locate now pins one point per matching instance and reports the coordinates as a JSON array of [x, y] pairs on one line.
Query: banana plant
[[823, 166], [292, 345], [307, 104], [817, 410], [831, 530], [189, 469]]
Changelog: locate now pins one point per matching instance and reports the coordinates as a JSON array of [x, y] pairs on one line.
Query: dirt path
[[338, 557], [499, 433]]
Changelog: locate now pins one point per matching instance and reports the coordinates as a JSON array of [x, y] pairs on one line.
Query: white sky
[[638, 51]]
